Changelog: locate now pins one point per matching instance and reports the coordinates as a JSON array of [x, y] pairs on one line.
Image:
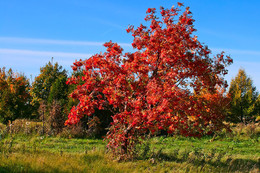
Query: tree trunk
[[241, 115], [125, 145]]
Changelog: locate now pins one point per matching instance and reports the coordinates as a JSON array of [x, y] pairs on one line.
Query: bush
[[251, 130], [55, 119], [241, 131], [24, 126], [2, 127], [2, 130], [75, 131]]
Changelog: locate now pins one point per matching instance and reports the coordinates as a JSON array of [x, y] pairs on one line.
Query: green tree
[[59, 91], [57, 104], [14, 96], [243, 95], [257, 108], [51, 74]]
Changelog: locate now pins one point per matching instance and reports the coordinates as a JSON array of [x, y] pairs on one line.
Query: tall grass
[[238, 151]]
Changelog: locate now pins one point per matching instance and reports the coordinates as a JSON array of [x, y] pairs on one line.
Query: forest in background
[[47, 100]]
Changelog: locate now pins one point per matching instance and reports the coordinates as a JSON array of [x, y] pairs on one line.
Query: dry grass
[[24, 150]]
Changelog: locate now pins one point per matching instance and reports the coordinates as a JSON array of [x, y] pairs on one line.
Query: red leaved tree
[[169, 83]]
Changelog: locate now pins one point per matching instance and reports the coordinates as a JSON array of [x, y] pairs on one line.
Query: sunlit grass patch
[[19, 153]]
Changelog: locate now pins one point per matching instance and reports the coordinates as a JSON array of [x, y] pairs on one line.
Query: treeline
[[47, 99]]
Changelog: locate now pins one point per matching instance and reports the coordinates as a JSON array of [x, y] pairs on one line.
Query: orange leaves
[[14, 95], [15, 83]]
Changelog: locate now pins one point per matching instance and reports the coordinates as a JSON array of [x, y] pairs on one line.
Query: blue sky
[[31, 32]]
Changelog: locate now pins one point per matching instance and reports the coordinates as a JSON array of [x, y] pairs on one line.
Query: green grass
[[23, 153]]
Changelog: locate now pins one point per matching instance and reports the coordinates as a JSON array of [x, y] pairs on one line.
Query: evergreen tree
[[257, 108], [59, 91], [243, 95], [57, 103], [45, 88]]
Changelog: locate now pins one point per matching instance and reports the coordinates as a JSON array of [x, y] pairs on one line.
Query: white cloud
[[90, 43], [29, 61], [43, 53], [53, 42]]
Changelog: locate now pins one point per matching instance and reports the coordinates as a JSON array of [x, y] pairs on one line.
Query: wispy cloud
[[30, 61], [43, 53], [90, 43], [69, 54], [53, 42]]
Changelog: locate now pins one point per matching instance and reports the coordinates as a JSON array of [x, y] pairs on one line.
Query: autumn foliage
[[169, 83], [14, 96]]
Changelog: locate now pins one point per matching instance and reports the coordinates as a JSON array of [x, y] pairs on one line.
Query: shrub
[[25, 126], [56, 118]]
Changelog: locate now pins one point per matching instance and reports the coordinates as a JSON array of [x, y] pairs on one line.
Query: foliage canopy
[[169, 83], [14, 96], [49, 85]]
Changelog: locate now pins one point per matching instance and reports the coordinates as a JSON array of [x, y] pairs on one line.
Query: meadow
[[238, 151]]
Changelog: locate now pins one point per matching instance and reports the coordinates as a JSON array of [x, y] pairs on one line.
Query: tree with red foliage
[[169, 83]]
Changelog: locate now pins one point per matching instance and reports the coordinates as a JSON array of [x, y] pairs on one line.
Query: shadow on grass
[[218, 161], [18, 168]]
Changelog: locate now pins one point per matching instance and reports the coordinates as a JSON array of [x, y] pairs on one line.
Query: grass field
[[22, 153]]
